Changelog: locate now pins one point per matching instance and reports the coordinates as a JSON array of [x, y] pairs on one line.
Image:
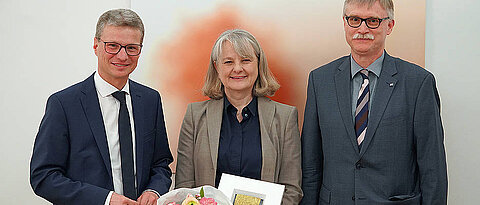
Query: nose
[[237, 68], [122, 54], [363, 28]]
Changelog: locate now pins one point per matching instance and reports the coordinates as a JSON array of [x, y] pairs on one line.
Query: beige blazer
[[280, 137]]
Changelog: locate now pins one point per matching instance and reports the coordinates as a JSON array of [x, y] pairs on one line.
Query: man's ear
[[391, 23], [95, 46]]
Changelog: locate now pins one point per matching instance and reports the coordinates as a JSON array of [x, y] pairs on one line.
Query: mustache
[[363, 36]]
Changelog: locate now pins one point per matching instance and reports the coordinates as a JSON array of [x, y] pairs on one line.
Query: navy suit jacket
[[402, 158], [70, 162]]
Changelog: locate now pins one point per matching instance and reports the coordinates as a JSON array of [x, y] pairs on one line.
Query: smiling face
[[360, 39], [115, 68], [237, 73]]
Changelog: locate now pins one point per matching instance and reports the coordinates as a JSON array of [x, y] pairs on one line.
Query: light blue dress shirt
[[375, 69]]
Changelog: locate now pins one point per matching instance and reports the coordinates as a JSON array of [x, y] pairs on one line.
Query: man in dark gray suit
[[372, 132]]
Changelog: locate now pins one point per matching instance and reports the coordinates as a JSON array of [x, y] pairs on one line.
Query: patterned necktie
[[126, 147], [361, 111]]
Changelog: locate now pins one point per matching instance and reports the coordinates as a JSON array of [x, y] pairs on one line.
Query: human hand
[[148, 198], [118, 199]]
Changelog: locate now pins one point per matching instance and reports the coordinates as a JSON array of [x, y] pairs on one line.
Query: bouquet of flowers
[[205, 195]]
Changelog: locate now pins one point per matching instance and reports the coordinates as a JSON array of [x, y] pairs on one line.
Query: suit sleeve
[[430, 149], [312, 154], [290, 171], [49, 162], [160, 173], [185, 175]]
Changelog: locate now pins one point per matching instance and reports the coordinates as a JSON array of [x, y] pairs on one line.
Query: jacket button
[[358, 165], [353, 198]]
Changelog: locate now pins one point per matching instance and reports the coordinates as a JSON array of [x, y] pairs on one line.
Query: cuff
[[109, 196], [151, 190]]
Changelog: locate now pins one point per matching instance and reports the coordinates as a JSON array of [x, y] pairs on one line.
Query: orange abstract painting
[[297, 37]]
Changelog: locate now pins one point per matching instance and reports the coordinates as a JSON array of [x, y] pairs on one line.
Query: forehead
[[121, 34], [366, 10], [240, 48]]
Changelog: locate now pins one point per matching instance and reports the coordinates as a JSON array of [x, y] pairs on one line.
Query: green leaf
[[202, 193]]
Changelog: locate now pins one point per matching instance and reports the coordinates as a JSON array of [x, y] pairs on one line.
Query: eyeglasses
[[130, 49], [371, 23]]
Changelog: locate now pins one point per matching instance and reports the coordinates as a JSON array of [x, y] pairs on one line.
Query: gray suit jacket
[[200, 134], [402, 159]]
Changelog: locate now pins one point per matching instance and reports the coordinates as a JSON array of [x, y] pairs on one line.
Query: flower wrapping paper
[[178, 195]]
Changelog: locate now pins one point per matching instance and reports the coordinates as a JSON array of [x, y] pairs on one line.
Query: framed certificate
[[245, 191]]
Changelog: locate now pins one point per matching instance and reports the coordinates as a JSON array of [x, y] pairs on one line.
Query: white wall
[[452, 54], [47, 45]]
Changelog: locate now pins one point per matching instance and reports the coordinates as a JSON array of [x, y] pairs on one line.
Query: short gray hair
[[242, 41], [119, 17], [386, 4]]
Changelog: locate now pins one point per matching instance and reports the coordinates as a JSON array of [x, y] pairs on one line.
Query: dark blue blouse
[[240, 147]]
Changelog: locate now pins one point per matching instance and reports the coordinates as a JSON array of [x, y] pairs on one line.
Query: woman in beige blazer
[[238, 70]]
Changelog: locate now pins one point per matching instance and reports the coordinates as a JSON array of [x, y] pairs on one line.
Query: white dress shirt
[[110, 110]]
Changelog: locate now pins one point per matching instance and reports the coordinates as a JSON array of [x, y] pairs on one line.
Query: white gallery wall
[[452, 54], [47, 46]]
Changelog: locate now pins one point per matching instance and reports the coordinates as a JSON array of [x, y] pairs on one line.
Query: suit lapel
[[91, 107], [138, 109], [214, 123], [383, 90], [266, 112], [344, 97]]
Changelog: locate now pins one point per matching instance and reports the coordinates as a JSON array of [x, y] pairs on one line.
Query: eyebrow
[[121, 43], [355, 15]]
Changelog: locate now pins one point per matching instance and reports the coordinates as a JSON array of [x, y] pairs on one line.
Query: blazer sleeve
[[428, 132], [185, 171], [312, 154], [290, 173], [49, 162], [160, 173]]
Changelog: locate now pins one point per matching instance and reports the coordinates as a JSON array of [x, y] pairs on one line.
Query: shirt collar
[[105, 89], [375, 67], [252, 106]]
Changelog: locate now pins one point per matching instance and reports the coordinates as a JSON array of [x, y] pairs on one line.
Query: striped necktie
[[361, 111]]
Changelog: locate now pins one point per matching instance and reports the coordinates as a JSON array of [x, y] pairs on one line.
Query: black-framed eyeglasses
[[130, 49], [372, 23]]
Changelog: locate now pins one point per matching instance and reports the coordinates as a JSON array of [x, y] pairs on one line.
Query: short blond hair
[[242, 41], [386, 4], [119, 17]]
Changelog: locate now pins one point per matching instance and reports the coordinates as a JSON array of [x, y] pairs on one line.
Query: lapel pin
[[390, 84]]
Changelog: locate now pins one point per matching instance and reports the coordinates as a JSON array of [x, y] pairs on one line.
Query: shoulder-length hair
[[242, 41]]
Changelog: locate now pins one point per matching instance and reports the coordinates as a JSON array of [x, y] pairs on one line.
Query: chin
[[239, 89], [123, 70], [361, 49]]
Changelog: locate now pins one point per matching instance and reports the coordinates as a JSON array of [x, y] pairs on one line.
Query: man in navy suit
[[372, 132], [103, 140]]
